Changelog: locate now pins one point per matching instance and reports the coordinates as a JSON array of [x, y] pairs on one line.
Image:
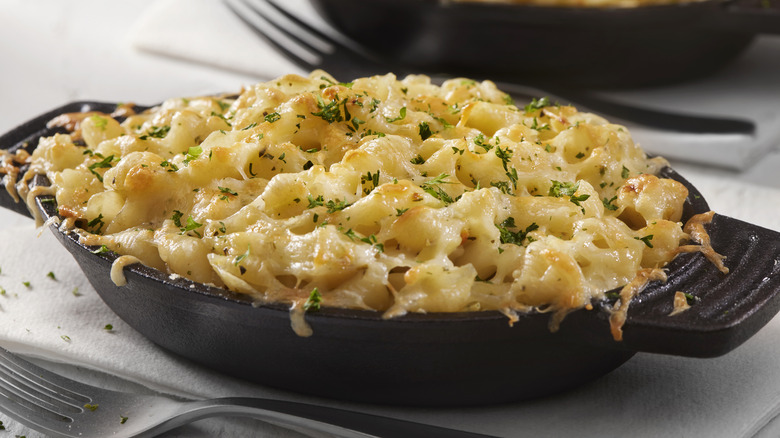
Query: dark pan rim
[[749, 295], [502, 11]]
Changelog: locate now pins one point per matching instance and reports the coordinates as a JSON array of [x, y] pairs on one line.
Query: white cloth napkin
[[60, 317], [207, 32], [737, 395]]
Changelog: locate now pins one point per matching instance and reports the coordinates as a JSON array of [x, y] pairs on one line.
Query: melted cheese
[[385, 194]]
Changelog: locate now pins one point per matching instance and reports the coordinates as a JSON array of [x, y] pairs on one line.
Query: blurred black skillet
[[311, 48], [431, 359], [550, 46]]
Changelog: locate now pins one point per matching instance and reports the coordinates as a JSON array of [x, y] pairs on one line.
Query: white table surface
[[54, 51]]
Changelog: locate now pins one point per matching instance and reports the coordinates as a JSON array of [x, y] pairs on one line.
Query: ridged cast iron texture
[[437, 359]]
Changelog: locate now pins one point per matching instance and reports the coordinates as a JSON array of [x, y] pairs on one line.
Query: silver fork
[[61, 407], [310, 48]]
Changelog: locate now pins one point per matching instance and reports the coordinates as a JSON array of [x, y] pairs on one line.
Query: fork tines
[[283, 31], [30, 392], [303, 43]]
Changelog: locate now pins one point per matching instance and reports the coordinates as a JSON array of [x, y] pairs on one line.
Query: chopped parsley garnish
[[337, 205], [326, 79], [368, 132], [371, 240], [613, 295], [108, 327], [432, 188], [331, 112], [192, 153], [223, 106], [96, 224], [224, 119], [512, 175], [176, 218], [445, 123], [480, 141], [52, 276], [537, 104], [425, 130], [270, 118], [156, 132], [401, 116], [535, 125], [356, 123], [91, 407], [191, 225], [105, 163], [351, 234], [646, 240], [505, 155], [374, 104], [625, 172], [225, 192], [372, 178], [332, 206], [313, 302], [400, 211], [171, 167], [608, 203], [242, 257], [514, 237], [564, 189], [99, 121], [316, 202], [418, 159], [503, 186], [102, 250]]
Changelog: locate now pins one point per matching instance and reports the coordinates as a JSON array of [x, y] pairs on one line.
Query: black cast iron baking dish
[[558, 47], [434, 359]]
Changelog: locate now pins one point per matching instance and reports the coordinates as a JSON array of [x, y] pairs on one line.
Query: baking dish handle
[[725, 309], [26, 136]]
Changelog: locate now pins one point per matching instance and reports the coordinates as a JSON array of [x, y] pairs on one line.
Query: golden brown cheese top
[[393, 195]]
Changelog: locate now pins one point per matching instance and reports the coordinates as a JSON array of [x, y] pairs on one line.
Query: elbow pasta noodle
[[392, 195]]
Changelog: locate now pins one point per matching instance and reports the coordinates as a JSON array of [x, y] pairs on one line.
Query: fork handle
[[339, 422], [665, 120]]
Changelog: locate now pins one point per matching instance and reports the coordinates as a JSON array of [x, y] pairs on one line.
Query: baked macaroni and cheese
[[384, 194]]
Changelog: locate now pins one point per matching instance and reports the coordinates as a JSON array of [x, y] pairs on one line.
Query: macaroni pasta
[[385, 194]]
